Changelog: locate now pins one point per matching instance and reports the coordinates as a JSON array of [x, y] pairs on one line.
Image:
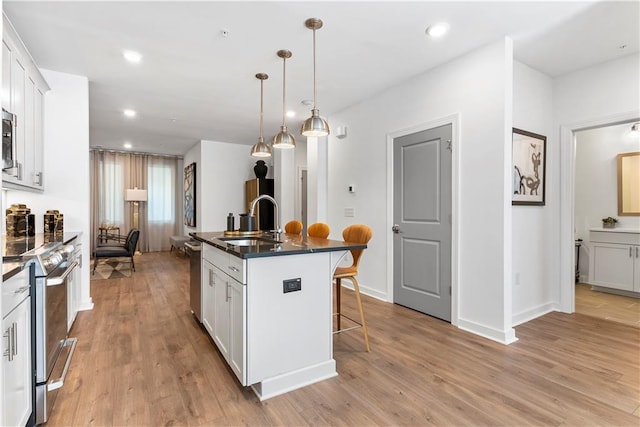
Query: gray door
[[422, 221]]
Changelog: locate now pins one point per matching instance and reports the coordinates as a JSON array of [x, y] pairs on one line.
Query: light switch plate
[[349, 212]]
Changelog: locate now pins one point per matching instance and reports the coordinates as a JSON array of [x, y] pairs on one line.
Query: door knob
[[395, 228]]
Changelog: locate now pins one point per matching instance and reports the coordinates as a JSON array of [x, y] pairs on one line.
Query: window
[[113, 184], [161, 193]]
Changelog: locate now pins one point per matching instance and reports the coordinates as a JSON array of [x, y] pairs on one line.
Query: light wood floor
[[142, 360], [607, 306]]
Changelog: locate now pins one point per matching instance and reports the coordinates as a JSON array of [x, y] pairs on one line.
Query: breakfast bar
[[267, 304]]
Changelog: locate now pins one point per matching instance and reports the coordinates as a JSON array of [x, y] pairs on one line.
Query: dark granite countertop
[[17, 251], [290, 244]]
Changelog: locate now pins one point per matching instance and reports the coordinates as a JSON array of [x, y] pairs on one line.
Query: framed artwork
[[529, 154], [190, 195]]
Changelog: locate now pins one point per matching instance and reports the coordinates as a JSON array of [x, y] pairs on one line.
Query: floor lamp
[[136, 196]]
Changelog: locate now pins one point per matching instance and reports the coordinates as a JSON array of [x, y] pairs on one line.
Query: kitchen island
[[267, 304]]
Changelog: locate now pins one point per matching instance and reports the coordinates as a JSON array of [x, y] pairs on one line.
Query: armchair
[[125, 249]]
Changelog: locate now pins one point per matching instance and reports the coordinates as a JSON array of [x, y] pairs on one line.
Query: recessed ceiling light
[[291, 113], [437, 30], [307, 102], [132, 56], [127, 145], [129, 113]]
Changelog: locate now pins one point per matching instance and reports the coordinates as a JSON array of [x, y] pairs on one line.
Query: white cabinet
[[208, 296], [223, 307], [221, 325], [23, 89], [16, 351], [615, 259]]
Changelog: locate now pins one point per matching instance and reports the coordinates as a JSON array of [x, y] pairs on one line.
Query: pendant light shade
[[284, 139], [314, 125], [260, 149]]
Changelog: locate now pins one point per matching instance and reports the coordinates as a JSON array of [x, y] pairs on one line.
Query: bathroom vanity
[[614, 263]]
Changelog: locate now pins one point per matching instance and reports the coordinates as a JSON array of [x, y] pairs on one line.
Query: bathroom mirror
[[629, 183]]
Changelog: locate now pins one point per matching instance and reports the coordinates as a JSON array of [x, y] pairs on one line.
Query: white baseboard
[[533, 313], [293, 380], [503, 337], [86, 305], [374, 293]]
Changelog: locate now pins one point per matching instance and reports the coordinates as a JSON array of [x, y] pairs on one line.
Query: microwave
[[9, 159]]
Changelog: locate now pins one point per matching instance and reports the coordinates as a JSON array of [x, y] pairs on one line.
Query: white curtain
[[159, 217], [162, 206]]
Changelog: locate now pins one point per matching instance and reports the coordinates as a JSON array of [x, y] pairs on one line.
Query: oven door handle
[[59, 280], [59, 382]]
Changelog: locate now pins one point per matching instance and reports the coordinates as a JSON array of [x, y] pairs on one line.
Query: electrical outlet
[[291, 285], [350, 212]]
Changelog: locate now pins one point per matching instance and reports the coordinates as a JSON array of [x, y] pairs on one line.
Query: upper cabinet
[[23, 90]]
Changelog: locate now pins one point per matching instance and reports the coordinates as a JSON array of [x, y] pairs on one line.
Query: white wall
[[595, 96], [221, 171], [66, 164], [478, 87], [534, 293], [596, 179]]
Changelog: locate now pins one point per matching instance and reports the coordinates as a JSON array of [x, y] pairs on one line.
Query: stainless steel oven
[[9, 159], [53, 348]]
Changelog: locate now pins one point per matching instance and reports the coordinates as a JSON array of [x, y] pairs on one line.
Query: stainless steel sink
[[248, 241]]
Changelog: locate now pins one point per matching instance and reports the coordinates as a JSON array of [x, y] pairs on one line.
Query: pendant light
[[314, 125], [260, 149], [284, 139]]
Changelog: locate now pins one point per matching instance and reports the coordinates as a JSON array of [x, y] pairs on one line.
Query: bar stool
[[358, 233], [319, 229], [293, 227]]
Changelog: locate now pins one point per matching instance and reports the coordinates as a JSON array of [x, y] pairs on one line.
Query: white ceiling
[[194, 83]]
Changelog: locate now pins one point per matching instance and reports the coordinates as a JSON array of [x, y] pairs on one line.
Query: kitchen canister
[[53, 222], [20, 221]]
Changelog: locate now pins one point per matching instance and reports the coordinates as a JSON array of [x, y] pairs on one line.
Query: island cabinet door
[[221, 315], [208, 296], [237, 329]]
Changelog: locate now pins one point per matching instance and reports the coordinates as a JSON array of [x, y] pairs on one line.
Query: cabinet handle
[[232, 268], [8, 352], [637, 252], [38, 180], [14, 328], [228, 297], [630, 253], [211, 278], [19, 176], [21, 289]]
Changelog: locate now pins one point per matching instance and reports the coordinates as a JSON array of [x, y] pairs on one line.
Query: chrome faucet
[[252, 209]]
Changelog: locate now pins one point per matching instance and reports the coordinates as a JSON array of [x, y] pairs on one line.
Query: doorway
[[596, 197], [422, 221], [566, 274]]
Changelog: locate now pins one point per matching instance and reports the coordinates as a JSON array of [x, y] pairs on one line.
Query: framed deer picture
[[529, 163]]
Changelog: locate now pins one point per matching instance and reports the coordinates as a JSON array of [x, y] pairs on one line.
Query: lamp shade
[[135, 195]]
